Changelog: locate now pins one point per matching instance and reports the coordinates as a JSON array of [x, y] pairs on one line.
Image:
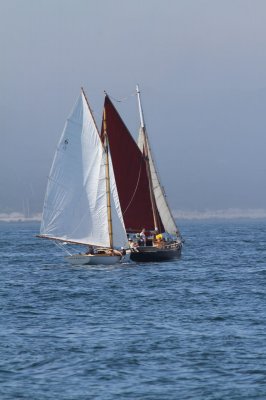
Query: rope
[[61, 246], [133, 193], [123, 98]]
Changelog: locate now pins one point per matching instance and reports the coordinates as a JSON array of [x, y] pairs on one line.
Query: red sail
[[130, 173]]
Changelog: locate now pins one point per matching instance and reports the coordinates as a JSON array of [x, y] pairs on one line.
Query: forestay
[[75, 207]]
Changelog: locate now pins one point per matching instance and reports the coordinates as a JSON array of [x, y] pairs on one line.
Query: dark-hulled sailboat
[[142, 198]]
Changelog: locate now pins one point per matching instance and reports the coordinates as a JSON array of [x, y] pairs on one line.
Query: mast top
[[140, 108]]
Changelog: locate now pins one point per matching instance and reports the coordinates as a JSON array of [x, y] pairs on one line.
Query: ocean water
[[193, 328]]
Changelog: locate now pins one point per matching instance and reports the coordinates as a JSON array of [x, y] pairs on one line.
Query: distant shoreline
[[231, 213], [19, 217], [179, 215]]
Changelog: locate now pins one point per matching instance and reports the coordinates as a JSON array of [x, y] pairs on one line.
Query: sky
[[201, 68]]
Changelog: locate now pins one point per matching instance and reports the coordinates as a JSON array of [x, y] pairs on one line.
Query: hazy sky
[[201, 67]]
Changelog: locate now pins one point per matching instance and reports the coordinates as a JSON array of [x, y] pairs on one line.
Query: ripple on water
[[193, 328]]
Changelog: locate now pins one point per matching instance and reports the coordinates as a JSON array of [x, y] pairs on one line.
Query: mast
[[107, 178], [146, 155], [163, 209]]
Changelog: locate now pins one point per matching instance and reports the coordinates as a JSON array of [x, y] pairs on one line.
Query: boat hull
[[95, 259], [155, 254]]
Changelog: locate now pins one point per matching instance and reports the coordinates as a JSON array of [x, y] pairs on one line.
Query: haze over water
[[201, 68]]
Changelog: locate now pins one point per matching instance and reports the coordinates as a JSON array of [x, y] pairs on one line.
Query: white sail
[[159, 195], [119, 231], [75, 207], [160, 198]]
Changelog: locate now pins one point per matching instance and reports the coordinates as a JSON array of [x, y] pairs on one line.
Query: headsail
[[159, 194], [75, 207], [130, 173]]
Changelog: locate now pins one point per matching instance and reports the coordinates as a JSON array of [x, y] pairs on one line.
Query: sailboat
[[142, 197], [81, 204]]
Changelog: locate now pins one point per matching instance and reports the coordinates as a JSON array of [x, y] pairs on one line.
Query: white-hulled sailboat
[[81, 204]]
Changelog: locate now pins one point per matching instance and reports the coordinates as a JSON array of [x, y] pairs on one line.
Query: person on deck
[[159, 237], [143, 236], [90, 250], [132, 245], [159, 242], [117, 253]]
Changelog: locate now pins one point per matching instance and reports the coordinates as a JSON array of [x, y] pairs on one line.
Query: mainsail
[[130, 173], [75, 207], [158, 191]]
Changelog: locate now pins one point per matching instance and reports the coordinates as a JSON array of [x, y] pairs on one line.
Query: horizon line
[[230, 213]]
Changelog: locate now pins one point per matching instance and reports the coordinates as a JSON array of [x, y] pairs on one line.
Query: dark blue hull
[[153, 254]]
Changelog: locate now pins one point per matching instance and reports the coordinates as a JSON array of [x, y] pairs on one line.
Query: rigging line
[[123, 98], [61, 246], [133, 193]]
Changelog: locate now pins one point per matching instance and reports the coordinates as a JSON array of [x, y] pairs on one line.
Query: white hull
[[96, 259]]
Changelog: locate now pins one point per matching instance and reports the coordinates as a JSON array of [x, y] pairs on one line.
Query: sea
[[191, 328]]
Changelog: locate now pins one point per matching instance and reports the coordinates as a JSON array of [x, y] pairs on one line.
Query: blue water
[[194, 328]]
